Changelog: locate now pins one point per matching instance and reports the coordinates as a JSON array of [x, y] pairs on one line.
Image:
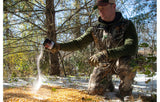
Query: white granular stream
[[38, 82]]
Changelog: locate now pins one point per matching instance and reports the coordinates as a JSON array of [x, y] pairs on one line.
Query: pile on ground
[[48, 94]]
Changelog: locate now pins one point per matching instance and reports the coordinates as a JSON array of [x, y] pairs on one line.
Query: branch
[[57, 3], [35, 13], [4, 55], [72, 15], [64, 10], [20, 38], [17, 47], [22, 11], [40, 4], [27, 20], [42, 7]]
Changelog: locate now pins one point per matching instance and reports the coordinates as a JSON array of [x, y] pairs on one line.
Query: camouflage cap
[[102, 3]]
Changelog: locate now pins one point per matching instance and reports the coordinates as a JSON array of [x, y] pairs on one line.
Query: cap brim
[[99, 4]]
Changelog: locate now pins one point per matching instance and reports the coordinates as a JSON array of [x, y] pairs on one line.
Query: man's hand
[[50, 45], [97, 58]]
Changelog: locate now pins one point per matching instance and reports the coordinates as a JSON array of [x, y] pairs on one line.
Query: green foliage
[[53, 89], [20, 65], [143, 45], [88, 99], [21, 38], [146, 61]]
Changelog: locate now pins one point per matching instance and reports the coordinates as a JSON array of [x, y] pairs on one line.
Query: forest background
[[26, 24]]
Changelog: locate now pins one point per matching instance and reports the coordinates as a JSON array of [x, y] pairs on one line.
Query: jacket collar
[[118, 17]]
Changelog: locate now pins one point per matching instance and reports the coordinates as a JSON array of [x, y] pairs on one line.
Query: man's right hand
[[54, 47], [48, 44]]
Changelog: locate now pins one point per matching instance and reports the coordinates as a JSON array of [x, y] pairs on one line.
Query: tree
[[50, 23]]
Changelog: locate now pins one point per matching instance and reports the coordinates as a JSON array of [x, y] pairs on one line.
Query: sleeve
[[79, 43], [130, 46]]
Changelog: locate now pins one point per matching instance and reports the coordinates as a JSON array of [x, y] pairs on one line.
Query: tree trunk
[[77, 30], [50, 23]]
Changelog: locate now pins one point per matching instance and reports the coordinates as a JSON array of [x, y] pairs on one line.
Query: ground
[[73, 89], [47, 94]]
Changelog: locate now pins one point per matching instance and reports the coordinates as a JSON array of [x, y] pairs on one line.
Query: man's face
[[107, 11]]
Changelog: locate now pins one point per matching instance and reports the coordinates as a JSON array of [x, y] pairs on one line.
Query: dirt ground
[[48, 94]]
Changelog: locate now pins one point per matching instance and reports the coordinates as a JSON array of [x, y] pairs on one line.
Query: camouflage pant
[[101, 78]]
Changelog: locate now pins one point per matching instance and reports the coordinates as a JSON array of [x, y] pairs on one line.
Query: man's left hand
[[97, 58]]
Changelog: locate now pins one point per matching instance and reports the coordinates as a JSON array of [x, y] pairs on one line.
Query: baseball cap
[[102, 3]]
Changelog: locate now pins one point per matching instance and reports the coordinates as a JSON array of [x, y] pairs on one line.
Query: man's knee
[[127, 78], [96, 90], [127, 75], [99, 82]]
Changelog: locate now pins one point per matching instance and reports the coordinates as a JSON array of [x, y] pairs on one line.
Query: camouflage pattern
[[108, 37], [119, 40], [101, 79], [126, 74]]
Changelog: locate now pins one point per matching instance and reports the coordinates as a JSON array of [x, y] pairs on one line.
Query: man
[[116, 42]]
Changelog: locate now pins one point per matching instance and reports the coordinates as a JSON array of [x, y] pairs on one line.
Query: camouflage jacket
[[118, 38]]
